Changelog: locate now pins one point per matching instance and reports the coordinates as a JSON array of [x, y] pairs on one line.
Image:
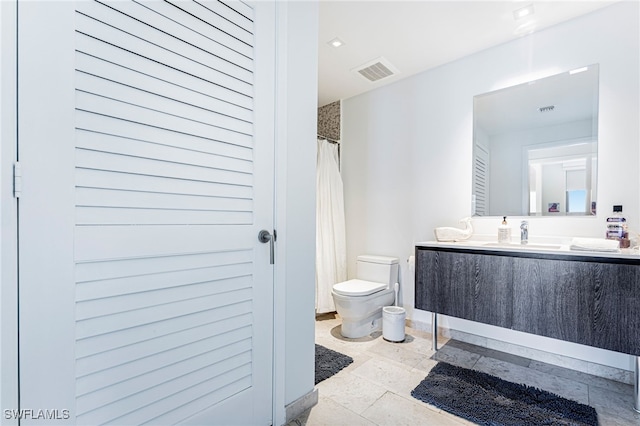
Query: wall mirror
[[535, 147]]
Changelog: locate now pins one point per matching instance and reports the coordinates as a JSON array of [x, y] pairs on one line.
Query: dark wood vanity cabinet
[[583, 299], [465, 285]]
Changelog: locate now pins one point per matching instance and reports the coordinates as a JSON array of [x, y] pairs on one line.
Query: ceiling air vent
[[376, 70], [548, 108]]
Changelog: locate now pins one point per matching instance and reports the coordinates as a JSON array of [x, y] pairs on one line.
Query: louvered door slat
[[202, 26], [148, 33], [91, 197], [136, 408], [201, 286], [96, 345], [93, 141], [237, 30], [190, 399], [236, 17], [96, 379], [153, 353], [156, 118], [119, 243], [100, 271], [97, 29], [132, 385], [98, 160], [122, 320], [183, 34], [99, 179], [140, 63], [137, 131], [153, 84], [149, 100], [107, 216], [240, 7], [100, 371]]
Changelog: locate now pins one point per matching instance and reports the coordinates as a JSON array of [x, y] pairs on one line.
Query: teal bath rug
[[488, 400], [329, 362]]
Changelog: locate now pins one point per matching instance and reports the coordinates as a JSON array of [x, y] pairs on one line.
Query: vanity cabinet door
[[464, 285], [550, 297], [613, 317], [591, 303], [426, 280]]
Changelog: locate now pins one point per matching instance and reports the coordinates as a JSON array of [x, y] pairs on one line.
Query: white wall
[[407, 149], [295, 202]]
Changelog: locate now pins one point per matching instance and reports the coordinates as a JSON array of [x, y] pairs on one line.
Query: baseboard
[[300, 405], [604, 371]]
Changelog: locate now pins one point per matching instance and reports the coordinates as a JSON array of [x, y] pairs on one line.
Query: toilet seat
[[358, 288]]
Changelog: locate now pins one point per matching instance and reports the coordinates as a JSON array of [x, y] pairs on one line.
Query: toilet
[[359, 301]]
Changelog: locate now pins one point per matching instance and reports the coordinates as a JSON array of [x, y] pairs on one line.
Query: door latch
[[265, 237]]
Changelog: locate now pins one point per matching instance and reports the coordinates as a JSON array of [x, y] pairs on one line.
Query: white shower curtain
[[331, 253]]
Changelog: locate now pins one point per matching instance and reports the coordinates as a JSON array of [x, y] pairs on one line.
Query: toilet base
[[354, 329]]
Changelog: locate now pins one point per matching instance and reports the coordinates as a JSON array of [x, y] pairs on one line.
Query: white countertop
[[546, 245]]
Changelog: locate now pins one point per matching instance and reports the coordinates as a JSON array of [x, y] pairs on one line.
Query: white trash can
[[393, 323]]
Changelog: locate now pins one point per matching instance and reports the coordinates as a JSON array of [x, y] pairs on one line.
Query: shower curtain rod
[[328, 140]]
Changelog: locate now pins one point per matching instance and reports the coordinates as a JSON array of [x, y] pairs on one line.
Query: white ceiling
[[415, 36]]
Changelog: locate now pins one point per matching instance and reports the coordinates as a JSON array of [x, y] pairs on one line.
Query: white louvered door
[[481, 180], [146, 142]]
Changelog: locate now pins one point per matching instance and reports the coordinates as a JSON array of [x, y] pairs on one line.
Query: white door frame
[[8, 213]]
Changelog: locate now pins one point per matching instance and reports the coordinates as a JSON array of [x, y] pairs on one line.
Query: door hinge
[[17, 180]]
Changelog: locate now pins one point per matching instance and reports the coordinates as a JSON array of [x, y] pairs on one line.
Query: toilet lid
[[358, 288]]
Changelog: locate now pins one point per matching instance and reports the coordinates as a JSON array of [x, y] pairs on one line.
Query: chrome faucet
[[524, 232]]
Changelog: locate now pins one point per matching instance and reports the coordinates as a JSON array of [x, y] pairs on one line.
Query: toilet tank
[[380, 269]]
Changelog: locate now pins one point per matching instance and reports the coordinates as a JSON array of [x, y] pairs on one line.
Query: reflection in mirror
[[535, 147]]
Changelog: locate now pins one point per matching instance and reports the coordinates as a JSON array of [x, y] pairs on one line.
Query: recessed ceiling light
[[336, 42], [522, 12], [577, 70], [527, 27]]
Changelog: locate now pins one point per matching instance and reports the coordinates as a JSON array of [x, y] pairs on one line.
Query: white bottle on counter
[[504, 232]]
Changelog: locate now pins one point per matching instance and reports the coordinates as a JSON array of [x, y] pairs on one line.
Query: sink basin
[[525, 246]]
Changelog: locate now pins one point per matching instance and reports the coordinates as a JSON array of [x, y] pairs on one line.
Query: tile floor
[[376, 388]]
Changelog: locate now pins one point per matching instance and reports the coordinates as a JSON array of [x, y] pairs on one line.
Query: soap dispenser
[[504, 232]]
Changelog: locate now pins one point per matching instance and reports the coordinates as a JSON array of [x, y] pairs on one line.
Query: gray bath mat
[[329, 362], [489, 400]]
